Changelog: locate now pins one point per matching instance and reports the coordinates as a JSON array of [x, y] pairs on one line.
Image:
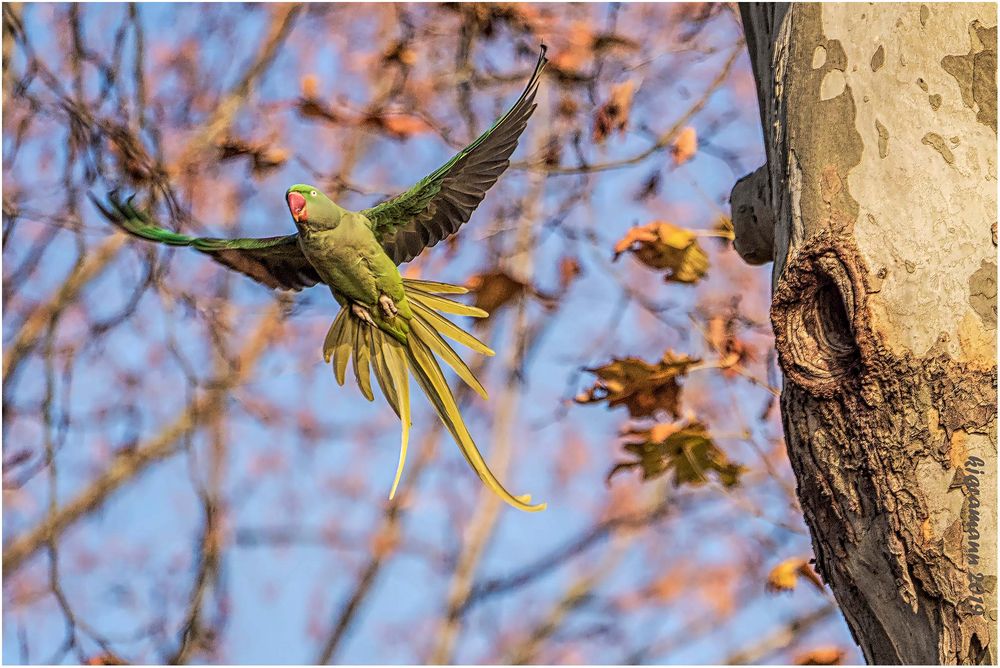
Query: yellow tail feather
[[393, 362]]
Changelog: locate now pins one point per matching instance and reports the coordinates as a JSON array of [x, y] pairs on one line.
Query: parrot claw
[[362, 313], [388, 306]]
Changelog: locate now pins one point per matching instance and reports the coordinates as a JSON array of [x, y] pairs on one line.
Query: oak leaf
[[645, 389], [684, 448], [661, 245]]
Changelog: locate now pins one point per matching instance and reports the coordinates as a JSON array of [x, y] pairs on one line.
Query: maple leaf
[[661, 245], [613, 114], [643, 388], [785, 576], [682, 447], [685, 145]]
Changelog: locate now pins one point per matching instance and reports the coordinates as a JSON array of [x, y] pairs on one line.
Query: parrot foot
[[362, 313], [388, 306]]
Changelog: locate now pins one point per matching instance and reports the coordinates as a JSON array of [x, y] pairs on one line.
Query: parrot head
[[311, 209]]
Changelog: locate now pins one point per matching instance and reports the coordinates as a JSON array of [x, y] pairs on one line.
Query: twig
[[664, 139], [130, 463]]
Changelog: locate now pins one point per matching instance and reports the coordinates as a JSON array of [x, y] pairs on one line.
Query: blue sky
[[143, 539]]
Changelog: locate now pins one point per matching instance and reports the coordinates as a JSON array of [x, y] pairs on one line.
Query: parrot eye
[[312, 192]]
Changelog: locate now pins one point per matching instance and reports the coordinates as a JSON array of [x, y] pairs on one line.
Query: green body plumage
[[387, 324]]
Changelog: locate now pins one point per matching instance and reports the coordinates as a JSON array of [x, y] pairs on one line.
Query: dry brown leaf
[[645, 389], [399, 52], [685, 145], [569, 270], [686, 448], [567, 107], [720, 333], [785, 576], [613, 114], [568, 62], [660, 245], [821, 656], [106, 659], [310, 86], [399, 126], [385, 541], [263, 157], [313, 107], [495, 289]]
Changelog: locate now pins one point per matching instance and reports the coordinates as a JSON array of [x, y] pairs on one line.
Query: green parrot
[[387, 323]]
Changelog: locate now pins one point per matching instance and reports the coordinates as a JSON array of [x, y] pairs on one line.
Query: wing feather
[[277, 262], [438, 205]]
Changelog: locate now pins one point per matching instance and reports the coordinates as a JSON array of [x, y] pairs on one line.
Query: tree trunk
[[878, 207]]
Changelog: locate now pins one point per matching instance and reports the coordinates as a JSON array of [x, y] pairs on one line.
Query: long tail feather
[[389, 363], [373, 349], [450, 329], [425, 333], [338, 344], [361, 355], [434, 287], [444, 305], [428, 375]]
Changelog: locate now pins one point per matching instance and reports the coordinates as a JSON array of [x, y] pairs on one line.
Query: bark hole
[[818, 305]]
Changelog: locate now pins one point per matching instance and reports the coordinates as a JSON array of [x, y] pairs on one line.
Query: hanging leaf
[[785, 576], [684, 448], [660, 245], [495, 289], [645, 389]]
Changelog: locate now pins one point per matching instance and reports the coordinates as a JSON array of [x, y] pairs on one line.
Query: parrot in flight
[[386, 322]]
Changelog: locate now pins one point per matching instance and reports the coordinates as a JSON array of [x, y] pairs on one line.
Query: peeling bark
[[880, 130]]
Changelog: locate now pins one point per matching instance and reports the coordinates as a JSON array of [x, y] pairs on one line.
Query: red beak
[[297, 205]]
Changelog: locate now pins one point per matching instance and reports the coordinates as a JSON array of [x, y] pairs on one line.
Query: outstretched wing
[[437, 206], [277, 262]]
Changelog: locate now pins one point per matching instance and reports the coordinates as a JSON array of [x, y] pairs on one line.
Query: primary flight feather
[[387, 324]]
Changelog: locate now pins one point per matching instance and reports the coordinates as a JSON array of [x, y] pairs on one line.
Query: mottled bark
[[878, 207]]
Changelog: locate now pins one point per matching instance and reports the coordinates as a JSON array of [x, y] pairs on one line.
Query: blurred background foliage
[[183, 479]]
